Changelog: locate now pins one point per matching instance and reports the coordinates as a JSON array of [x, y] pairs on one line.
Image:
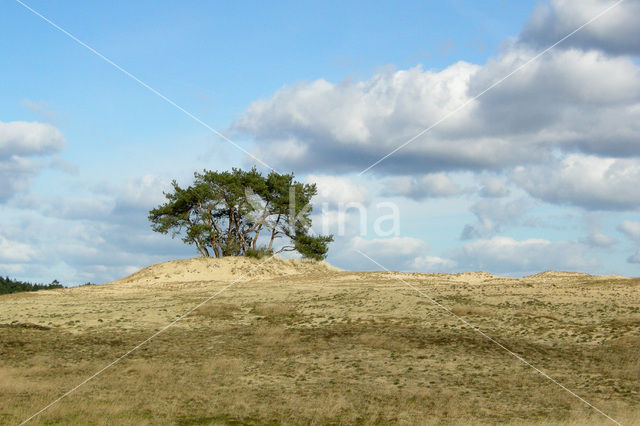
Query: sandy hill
[[564, 275], [226, 269], [297, 342], [201, 269]]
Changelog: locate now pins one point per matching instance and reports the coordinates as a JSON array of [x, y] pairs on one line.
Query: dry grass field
[[303, 343]]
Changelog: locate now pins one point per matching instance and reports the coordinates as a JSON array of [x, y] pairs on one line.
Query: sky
[[506, 156]]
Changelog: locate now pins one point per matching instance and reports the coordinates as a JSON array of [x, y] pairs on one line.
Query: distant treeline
[[7, 285]]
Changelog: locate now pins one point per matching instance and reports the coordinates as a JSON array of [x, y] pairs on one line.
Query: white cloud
[[13, 251], [591, 182], [14, 269], [16, 174], [393, 253], [326, 126], [78, 250], [492, 216], [493, 187], [598, 239], [21, 143], [142, 192], [563, 101], [98, 235], [616, 32], [565, 129], [432, 264], [397, 253], [338, 191], [419, 188], [341, 205], [631, 229], [347, 220], [93, 208], [20, 138], [390, 247], [505, 254]]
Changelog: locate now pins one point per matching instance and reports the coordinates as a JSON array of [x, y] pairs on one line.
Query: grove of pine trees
[[242, 213], [8, 285]]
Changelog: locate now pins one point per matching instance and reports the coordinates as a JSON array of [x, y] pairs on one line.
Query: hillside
[[228, 269], [301, 342]]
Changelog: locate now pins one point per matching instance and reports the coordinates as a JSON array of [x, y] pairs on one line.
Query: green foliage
[[224, 213], [311, 247], [8, 285]]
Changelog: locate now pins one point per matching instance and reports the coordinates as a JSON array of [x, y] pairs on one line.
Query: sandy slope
[[227, 269], [303, 342]]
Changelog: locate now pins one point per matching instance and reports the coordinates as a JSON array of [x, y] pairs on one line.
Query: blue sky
[[539, 173]]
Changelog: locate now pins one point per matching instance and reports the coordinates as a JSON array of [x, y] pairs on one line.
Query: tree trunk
[[255, 238], [274, 232], [217, 249]]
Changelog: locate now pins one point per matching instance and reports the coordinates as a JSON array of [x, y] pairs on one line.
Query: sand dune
[[298, 342], [226, 269], [233, 268]]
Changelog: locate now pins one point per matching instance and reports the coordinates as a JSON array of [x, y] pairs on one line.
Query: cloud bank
[[564, 128]]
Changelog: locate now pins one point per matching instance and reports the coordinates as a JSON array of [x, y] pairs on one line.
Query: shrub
[[258, 253]]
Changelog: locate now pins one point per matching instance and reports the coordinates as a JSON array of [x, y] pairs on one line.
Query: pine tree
[[224, 214]]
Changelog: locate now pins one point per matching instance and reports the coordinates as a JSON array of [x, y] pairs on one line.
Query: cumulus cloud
[[97, 237], [141, 192], [341, 206], [631, 229], [390, 247], [20, 138], [617, 32], [595, 183], [21, 145], [75, 250], [94, 208], [492, 216], [399, 253], [563, 128], [595, 237], [598, 239], [396, 252], [505, 254], [564, 101], [432, 264], [348, 125], [339, 190], [493, 187], [14, 251], [16, 174], [419, 188]]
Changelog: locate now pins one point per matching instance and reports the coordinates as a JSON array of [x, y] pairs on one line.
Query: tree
[[313, 247], [8, 285], [224, 214]]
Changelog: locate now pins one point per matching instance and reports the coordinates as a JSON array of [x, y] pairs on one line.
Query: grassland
[[302, 343]]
